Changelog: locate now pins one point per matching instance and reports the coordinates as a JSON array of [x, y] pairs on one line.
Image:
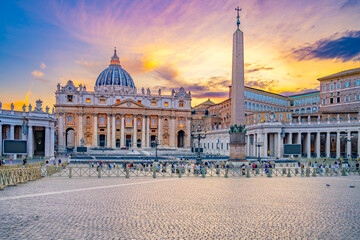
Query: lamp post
[[156, 143], [197, 135], [259, 145]]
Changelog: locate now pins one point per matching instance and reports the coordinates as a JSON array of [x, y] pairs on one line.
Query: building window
[[70, 120], [288, 116], [357, 82], [181, 104], [70, 98], [181, 123], [102, 101], [332, 87], [102, 120], [88, 100], [128, 121], [347, 98], [166, 104], [153, 121], [338, 86], [331, 100], [346, 84], [323, 101], [118, 121], [357, 97], [139, 101], [139, 122], [338, 99], [324, 88], [153, 103], [117, 100]]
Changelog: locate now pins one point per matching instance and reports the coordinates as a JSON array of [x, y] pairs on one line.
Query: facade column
[[188, 133], [30, 143], [143, 140], [81, 129], [61, 143], [348, 144], [337, 144], [113, 132], [172, 131], [135, 132], [308, 145], [52, 141], [254, 145], [12, 132], [298, 139], [247, 145], [95, 135], [289, 138], [147, 131], [159, 130], [1, 142], [122, 138], [317, 145], [47, 141], [327, 147], [108, 130], [265, 146]]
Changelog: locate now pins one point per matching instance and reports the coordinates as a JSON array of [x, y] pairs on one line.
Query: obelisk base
[[237, 149]]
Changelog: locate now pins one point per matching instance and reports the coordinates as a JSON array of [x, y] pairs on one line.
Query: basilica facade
[[116, 115]]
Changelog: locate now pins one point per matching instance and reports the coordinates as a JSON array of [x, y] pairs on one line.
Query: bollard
[[289, 173], [327, 171], [99, 173], [203, 172], [226, 172], [314, 172], [127, 172], [154, 171], [180, 173], [343, 173], [70, 170], [308, 172], [302, 172], [247, 172], [269, 173]]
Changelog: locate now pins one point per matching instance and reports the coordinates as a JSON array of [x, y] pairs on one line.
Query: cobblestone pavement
[[186, 208]]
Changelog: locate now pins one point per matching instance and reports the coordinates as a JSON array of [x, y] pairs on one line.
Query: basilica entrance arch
[[181, 139], [70, 138], [138, 143]]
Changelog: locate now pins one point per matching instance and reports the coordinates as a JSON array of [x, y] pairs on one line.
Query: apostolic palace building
[[117, 115]]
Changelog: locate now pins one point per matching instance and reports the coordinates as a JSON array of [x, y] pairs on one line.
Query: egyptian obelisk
[[237, 135]]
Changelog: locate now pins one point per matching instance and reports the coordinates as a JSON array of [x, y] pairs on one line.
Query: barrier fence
[[76, 171]]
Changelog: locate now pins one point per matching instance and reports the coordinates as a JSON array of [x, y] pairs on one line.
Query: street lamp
[[156, 143], [259, 145], [198, 136]]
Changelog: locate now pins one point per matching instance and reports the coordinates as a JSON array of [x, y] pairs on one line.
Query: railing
[[14, 176], [76, 171]]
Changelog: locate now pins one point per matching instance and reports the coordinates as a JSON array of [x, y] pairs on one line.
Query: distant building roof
[[304, 94], [341, 74]]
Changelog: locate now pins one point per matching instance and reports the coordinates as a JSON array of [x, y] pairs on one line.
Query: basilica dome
[[115, 75]]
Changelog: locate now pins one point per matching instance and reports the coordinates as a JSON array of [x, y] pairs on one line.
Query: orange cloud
[[37, 74]]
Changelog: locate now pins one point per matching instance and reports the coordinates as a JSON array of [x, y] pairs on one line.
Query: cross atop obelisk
[[238, 9]]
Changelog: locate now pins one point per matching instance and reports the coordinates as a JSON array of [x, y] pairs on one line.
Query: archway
[[70, 138], [138, 143], [181, 139]]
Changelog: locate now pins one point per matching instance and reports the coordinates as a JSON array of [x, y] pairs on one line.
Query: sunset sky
[[168, 44]]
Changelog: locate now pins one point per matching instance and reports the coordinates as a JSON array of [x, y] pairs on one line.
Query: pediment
[[128, 103]]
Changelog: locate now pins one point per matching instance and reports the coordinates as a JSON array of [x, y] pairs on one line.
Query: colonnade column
[[95, 137], [348, 144], [254, 145], [113, 132], [81, 129], [308, 145], [108, 128], [12, 132], [298, 138], [47, 141], [143, 132], [61, 145], [52, 139], [317, 145], [135, 132], [247, 145], [289, 139], [337, 144], [147, 132], [159, 130], [265, 146], [122, 133], [30, 141], [327, 147], [358, 144], [279, 145], [1, 142]]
